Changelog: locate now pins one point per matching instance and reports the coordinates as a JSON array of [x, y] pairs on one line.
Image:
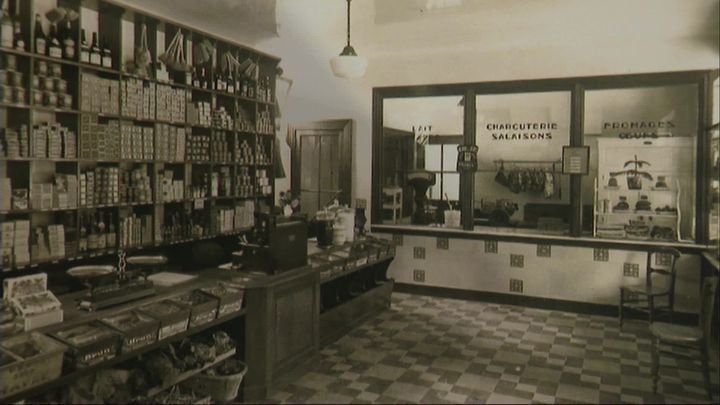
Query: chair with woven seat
[[660, 264], [697, 337]]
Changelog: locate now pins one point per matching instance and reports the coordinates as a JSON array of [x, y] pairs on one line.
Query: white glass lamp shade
[[348, 66]]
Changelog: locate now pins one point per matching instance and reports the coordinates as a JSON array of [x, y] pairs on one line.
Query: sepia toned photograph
[[359, 202]]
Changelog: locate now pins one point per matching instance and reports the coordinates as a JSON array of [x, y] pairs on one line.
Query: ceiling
[[392, 27]]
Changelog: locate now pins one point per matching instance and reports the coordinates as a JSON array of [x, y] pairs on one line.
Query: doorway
[[321, 162]]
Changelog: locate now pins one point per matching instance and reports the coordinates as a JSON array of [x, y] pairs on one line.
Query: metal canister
[[15, 78], [37, 97], [5, 93], [55, 69], [60, 85], [3, 77], [19, 95], [41, 68], [324, 227], [10, 62], [48, 84], [49, 99]]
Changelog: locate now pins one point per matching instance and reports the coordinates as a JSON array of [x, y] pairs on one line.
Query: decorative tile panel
[[419, 252], [443, 243], [601, 255], [517, 261], [544, 250], [491, 246]]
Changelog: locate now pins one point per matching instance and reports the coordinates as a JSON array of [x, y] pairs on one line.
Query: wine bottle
[[92, 239], [84, 48], [83, 239], [68, 41], [106, 54], [6, 29], [19, 40], [195, 78], [54, 47], [101, 238], [95, 57], [111, 236], [40, 38], [230, 83]]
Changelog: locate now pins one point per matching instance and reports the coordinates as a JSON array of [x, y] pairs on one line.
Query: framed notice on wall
[[575, 159]]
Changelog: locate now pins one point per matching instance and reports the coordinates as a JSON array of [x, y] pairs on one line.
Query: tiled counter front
[[547, 271]]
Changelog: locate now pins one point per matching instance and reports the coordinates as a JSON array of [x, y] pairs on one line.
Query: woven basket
[[219, 387]]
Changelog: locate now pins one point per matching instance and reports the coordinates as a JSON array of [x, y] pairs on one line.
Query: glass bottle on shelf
[[68, 43], [40, 38], [111, 236], [230, 83], [83, 238], [19, 40], [54, 44], [84, 48], [101, 237], [95, 57], [6, 29], [106, 54], [195, 78], [92, 239]]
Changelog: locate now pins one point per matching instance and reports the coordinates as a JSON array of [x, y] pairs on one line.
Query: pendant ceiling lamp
[[348, 64]]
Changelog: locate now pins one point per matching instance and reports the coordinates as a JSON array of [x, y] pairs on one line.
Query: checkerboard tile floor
[[435, 350]]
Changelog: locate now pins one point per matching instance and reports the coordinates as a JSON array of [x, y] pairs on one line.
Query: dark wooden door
[[321, 163]]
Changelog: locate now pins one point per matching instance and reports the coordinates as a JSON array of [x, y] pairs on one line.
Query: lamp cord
[[348, 22]]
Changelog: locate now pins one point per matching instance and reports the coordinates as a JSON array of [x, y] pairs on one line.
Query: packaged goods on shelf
[[224, 220], [170, 104], [169, 189], [263, 182], [100, 95], [169, 143], [199, 113], [135, 185], [261, 155], [33, 302], [99, 186], [265, 124], [136, 142], [5, 194], [243, 152], [12, 83], [54, 141], [221, 181], [173, 318], [245, 215], [219, 147], [99, 141], [14, 143], [14, 243], [198, 148], [135, 231], [66, 191], [20, 199], [222, 119], [138, 99], [41, 196], [137, 330]]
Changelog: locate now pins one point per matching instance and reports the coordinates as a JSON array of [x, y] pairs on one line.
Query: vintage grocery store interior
[[371, 201]]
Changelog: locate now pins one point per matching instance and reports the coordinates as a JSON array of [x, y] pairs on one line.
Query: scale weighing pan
[[90, 271], [147, 260]]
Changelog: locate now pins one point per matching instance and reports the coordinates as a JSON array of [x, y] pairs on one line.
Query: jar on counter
[[41, 68], [50, 99]]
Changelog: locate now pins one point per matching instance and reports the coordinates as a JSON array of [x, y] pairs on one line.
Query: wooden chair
[[697, 337], [660, 264]]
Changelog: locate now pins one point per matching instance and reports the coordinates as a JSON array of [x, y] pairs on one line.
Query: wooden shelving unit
[[118, 26]]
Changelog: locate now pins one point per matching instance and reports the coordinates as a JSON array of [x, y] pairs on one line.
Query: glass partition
[[642, 162], [420, 182], [518, 184], [714, 217]]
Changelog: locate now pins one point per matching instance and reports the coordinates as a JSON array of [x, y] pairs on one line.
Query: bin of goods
[[137, 329], [203, 308], [89, 343], [27, 361], [173, 318], [230, 299], [220, 382], [31, 299]]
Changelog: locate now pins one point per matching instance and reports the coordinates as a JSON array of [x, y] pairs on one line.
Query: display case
[[35, 305], [644, 188]]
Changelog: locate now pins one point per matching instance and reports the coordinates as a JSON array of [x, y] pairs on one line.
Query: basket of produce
[[89, 343], [203, 308], [137, 329], [173, 317], [27, 361], [230, 299], [221, 382]]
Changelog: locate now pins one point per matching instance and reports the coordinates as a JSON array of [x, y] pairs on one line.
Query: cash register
[[280, 245]]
